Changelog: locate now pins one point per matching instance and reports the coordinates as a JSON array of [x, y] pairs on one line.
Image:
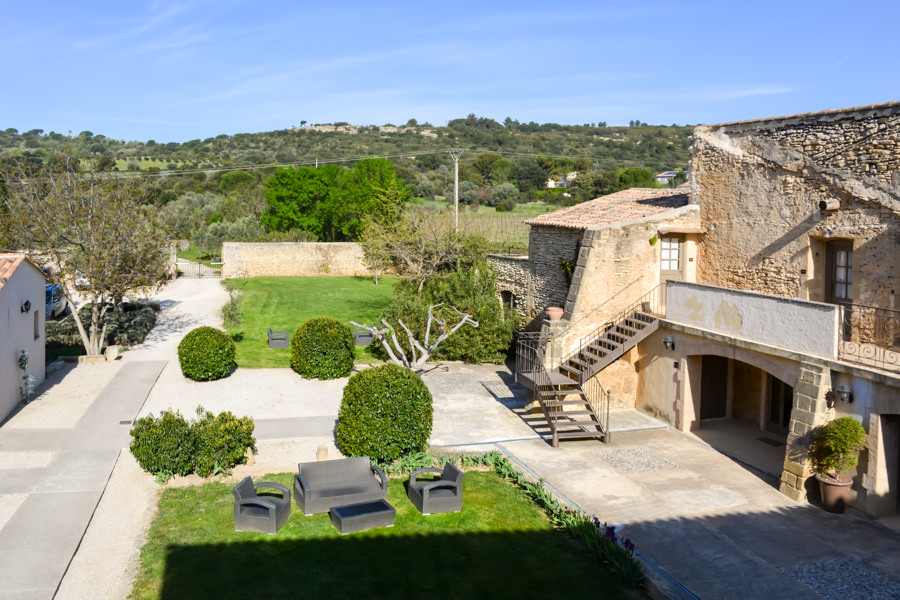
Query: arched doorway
[[744, 409]]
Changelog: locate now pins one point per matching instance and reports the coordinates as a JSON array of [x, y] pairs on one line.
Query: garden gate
[[198, 258]]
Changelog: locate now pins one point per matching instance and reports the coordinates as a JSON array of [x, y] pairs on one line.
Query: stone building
[[787, 317]]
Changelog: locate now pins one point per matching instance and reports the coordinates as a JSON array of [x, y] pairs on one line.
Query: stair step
[[573, 413], [580, 434], [553, 403]]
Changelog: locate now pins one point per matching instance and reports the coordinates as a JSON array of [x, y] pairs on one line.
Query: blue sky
[[176, 71]]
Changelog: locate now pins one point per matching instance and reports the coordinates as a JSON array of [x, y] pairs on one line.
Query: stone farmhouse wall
[[537, 280], [289, 259], [761, 183], [548, 247], [514, 277]]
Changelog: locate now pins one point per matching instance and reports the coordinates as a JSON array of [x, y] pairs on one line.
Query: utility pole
[[454, 154]]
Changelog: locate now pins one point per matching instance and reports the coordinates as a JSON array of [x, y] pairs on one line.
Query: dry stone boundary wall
[[292, 259]]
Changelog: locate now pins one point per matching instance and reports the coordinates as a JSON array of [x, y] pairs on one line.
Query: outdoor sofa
[[320, 486]]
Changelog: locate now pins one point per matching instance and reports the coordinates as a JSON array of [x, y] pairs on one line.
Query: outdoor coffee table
[[364, 515]]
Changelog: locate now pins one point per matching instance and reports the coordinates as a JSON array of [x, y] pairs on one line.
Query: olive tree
[[87, 227]]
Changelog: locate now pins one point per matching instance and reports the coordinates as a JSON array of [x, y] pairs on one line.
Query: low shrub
[[127, 327], [170, 445], [222, 441], [386, 412], [164, 444], [206, 353], [836, 445], [323, 348]]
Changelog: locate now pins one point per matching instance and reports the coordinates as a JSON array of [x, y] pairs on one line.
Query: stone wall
[[291, 259], [761, 184], [548, 247], [514, 277]]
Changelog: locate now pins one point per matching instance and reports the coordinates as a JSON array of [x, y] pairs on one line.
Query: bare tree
[[418, 247], [91, 230], [419, 353]]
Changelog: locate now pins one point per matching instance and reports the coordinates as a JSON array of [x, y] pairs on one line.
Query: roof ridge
[[817, 113]]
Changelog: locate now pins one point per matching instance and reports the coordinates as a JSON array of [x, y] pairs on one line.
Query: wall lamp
[[712, 226], [26, 307], [843, 393], [668, 343]]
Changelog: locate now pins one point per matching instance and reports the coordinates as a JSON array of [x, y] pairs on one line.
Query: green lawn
[[500, 546], [286, 302]]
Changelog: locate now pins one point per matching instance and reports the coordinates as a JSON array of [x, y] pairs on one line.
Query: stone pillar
[[810, 410], [555, 349]]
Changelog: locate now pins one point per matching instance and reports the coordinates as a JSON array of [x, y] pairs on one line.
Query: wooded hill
[[419, 148]]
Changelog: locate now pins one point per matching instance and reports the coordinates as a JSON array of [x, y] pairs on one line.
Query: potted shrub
[[835, 450]]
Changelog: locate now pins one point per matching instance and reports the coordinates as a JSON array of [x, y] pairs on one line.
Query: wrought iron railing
[[651, 304], [870, 336], [530, 348]]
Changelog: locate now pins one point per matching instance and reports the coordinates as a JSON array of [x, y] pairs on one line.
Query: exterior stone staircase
[[571, 397]]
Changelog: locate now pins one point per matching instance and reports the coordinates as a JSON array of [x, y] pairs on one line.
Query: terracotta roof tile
[[621, 206], [8, 265]]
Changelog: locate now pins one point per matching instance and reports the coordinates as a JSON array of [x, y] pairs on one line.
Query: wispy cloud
[[736, 92], [151, 22]]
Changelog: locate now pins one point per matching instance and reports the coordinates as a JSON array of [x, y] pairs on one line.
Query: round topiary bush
[[323, 348], [386, 413], [206, 353]]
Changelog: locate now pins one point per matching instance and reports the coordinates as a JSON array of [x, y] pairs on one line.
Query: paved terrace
[[707, 525]]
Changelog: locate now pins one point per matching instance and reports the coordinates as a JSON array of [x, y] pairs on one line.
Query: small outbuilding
[[22, 291]]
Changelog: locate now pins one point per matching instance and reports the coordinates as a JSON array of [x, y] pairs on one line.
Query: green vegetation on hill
[[653, 147], [231, 188]]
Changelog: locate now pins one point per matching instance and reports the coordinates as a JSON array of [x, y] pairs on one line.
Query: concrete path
[[59, 476]]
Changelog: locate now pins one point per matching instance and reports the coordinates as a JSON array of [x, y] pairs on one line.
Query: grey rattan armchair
[[437, 496], [264, 514]]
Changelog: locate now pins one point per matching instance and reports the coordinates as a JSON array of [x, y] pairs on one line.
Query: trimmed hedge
[[386, 412], [126, 328], [164, 444], [206, 353], [323, 348], [170, 445]]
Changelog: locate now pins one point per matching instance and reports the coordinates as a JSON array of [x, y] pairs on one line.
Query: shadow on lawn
[[528, 564]]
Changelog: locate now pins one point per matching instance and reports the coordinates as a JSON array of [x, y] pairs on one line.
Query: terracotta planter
[[834, 493], [554, 313]]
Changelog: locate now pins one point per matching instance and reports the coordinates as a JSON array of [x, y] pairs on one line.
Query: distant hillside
[[657, 148]]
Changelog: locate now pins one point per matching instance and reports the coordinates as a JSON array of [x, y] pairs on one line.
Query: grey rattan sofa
[[264, 514], [319, 486], [437, 496]]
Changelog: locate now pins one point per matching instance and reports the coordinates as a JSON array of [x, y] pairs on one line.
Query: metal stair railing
[[651, 304]]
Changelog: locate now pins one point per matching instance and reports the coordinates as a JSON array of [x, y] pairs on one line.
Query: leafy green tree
[[483, 163], [632, 177], [504, 193], [302, 198], [589, 185], [530, 175], [233, 180]]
